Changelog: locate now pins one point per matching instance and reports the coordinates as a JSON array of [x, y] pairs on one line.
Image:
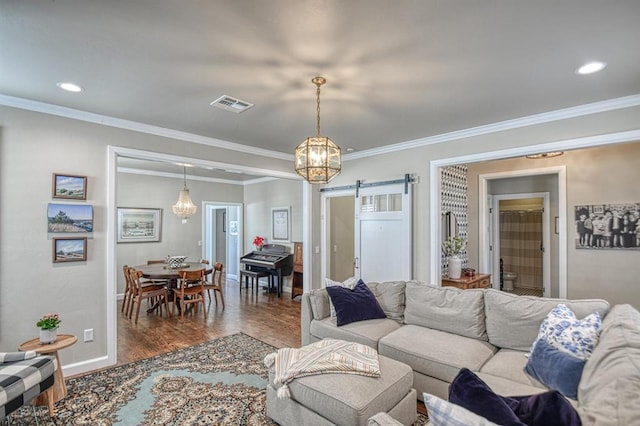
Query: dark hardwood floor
[[266, 317]]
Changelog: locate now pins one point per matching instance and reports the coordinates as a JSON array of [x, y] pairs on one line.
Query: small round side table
[[62, 341]]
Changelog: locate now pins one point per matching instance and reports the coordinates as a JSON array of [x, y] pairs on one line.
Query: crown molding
[[545, 117], [119, 123], [532, 120]]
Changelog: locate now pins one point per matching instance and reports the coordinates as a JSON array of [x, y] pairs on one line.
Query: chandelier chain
[[318, 107]]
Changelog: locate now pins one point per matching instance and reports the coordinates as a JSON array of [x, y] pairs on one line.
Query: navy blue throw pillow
[[354, 305], [470, 392], [556, 369], [544, 409]]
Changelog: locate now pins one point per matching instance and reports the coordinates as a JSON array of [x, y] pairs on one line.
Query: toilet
[[509, 280]]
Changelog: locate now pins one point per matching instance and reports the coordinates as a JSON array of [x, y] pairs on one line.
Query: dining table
[[162, 271]]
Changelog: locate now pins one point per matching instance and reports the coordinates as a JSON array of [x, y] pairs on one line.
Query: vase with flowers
[[453, 248], [48, 325], [258, 242]]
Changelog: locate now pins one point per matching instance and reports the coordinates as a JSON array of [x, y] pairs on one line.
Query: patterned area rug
[[222, 381]]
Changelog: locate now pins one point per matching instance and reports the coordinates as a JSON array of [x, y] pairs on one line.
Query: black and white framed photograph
[[139, 225], [608, 226], [281, 224]]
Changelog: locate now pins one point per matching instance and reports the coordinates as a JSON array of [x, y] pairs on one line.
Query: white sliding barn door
[[383, 244]]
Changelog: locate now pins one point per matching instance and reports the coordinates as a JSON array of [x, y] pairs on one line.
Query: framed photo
[[67, 218], [69, 186], [139, 225], [69, 249], [233, 227], [281, 224], [607, 226]]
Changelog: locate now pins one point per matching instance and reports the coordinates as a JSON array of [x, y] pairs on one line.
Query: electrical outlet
[[88, 335]]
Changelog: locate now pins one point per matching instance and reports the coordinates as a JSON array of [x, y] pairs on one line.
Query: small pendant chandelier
[[317, 159], [184, 207]]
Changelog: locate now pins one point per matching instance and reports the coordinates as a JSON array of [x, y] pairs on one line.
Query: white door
[[383, 245]]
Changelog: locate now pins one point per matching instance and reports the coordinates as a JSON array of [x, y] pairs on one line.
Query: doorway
[[221, 230], [520, 247], [368, 234]]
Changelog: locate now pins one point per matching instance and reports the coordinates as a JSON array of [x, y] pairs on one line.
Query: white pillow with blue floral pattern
[[562, 330]]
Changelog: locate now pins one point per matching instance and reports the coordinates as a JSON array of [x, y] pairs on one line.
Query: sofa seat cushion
[[507, 387], [351, 399], [435, 353], [509, 364], [367, 332]]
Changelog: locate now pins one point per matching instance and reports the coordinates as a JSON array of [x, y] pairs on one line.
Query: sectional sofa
[[439, 330]]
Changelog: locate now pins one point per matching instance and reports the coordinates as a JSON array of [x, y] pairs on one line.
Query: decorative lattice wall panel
[[453, 195]]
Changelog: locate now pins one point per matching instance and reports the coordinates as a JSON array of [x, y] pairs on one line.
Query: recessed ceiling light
[[591, 67], [350, 149], [69, 87]]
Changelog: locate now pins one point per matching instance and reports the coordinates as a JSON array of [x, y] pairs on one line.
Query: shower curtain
[[520, 246]]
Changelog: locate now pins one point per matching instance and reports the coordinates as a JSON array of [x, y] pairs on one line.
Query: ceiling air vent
[[231, 104]]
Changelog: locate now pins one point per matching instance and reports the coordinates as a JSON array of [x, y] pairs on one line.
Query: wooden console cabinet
[[464, 282], [296, 281]]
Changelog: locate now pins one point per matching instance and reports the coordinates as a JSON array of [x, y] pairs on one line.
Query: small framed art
[[281, 224], [69, 187], [139, 225], [69, 249]]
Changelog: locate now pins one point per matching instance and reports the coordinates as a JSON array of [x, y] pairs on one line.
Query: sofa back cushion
[[610, 384], [446, 309], [319, 300], [513, 321], [390, 296]]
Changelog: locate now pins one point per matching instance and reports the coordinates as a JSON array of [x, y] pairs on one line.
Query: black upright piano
[[275, 259]]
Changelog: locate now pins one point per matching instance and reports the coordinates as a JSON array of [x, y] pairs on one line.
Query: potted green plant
[[48, 325], [453, 248]]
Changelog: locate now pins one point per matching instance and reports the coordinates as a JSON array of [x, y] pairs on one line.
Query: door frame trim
[[546, 238], [483, 219]]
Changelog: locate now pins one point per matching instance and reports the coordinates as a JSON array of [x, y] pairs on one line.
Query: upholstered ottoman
[[346, 399]]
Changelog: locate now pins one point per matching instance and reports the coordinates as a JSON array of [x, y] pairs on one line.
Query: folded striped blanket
[[323, 357]]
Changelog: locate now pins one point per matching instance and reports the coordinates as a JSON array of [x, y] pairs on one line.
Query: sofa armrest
[[306, 315]]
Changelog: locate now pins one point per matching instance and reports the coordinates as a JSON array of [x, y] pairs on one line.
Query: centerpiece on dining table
[[175, 262]]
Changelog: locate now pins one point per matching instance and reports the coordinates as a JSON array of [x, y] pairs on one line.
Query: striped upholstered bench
[[23, 376]]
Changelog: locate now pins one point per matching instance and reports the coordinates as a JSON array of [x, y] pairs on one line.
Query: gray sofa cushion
[[367, 332], [390, 296], [319, 300], [610, 385], [447, 309], [513, 321], [509, 364], [433, 352]]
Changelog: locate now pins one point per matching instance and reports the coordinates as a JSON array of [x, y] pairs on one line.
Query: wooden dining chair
[[141, 292], [190, 291], [128, 291], [215, 284]]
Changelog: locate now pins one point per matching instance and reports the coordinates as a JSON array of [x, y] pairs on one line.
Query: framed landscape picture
[[69, 218], [69, 186], [139, 225], [281, 224], [69, 249]]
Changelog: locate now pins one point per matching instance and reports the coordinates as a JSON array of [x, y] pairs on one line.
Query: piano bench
[[255, 278]]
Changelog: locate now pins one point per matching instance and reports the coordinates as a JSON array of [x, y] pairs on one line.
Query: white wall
[[32, 147]]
